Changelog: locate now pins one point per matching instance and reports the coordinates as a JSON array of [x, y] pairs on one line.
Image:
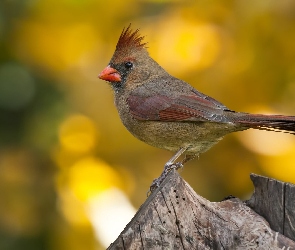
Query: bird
[[168, 113]]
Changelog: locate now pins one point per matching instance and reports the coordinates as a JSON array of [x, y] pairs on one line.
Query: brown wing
[[193, 107]]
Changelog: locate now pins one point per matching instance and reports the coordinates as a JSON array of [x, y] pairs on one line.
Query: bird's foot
[[167, 168], [171, 164]]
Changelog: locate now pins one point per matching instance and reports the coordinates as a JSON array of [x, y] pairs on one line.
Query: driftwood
[[175, 217]]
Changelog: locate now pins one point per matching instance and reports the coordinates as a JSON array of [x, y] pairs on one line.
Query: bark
[[175, 217]]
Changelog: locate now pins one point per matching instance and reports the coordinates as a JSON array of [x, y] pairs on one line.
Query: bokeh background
[[71, 176]]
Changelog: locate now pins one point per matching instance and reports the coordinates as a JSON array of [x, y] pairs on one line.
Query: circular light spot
[[78, 134], [187, 46], [90, 176]]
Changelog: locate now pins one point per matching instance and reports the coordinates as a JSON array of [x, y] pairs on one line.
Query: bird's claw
[[168, 167]]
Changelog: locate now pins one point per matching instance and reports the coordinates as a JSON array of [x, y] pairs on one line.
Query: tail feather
[[277, 123]]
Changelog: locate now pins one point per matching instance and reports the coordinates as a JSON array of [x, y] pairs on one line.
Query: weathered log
[[175, 217], [275, 201]]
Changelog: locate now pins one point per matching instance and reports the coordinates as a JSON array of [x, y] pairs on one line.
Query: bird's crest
[[130, 39]]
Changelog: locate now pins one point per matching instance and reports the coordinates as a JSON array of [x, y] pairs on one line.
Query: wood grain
[[175, 217]]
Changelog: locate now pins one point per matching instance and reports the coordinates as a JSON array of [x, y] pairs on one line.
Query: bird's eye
[[128, 65]]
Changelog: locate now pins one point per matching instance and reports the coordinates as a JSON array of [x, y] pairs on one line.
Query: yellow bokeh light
[[53, 45], [75, 47], [90, 176], [281, 167], [72, 208], [82, 182], [185, 45], [266, 142], [109, 213], [78, 134]]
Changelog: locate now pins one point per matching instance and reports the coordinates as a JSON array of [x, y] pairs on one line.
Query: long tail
[[277, 123]]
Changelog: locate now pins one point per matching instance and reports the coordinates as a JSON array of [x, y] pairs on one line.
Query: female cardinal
[[167, 112]]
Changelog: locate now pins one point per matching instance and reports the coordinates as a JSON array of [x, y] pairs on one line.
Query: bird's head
[[131, 64]]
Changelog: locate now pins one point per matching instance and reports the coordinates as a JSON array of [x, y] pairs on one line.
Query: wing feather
[[193, 107]]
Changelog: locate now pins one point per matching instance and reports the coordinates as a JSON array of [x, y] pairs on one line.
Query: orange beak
[[110, 74]]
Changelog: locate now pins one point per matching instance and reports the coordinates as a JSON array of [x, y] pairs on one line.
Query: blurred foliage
[[63, 150]]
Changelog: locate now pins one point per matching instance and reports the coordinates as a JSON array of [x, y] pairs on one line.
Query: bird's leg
[[168, 167], [171, 163]]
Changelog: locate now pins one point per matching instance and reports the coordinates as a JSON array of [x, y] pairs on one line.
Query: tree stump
[[175, 217]]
